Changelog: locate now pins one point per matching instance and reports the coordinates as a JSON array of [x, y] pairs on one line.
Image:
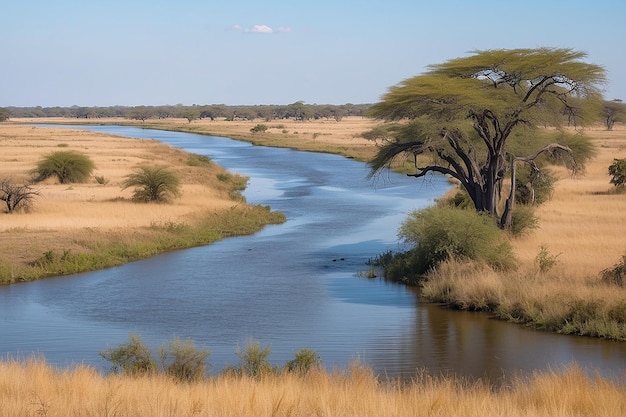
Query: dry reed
[[33, 388]]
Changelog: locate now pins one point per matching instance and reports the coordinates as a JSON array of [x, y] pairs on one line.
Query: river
[[289, 286]]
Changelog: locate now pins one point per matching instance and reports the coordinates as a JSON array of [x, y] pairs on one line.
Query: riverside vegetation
[[92, 222], [558, 267]]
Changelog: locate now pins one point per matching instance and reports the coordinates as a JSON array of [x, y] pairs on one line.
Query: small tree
[[304, 360], [4, 114], [617, 171], [17, 196], [183, 361], [67, 166], [153, 184], [613, 111], [259, 128], [132, 358], [253, 359]]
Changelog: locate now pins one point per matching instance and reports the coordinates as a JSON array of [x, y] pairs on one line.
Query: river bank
[[581, 228], [87, 226]]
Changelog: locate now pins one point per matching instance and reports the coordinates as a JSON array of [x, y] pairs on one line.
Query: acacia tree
[[613, 111], [473, 118], [16, 196]]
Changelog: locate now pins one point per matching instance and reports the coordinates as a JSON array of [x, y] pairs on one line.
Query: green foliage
[[196, 160], [523, 220], [183, 361], [67, 166], [462, 116], [131, 358], [4, 114], [259, 128], [253, 360], [441, 233], [153, 184], [533, 187], [179, 359], [544, 260], [613, 111], [617, 171], [304, 361]]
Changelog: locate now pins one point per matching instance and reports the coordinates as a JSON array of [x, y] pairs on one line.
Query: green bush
[[304, 361], [153, 184], [253, 360], [181, 360], [523, 220], [259, 128], [441, 233], [617, 171], [67, 166], [533, 187], [131, 358]]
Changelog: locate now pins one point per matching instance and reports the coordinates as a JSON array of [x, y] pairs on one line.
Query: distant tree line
[[298, 111]]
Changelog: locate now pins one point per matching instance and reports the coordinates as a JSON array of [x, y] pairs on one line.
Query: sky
[[247, 52]]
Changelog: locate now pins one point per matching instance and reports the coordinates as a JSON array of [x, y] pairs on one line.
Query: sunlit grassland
[[93, 225], [582, 230], [328, 136], [33, 388]]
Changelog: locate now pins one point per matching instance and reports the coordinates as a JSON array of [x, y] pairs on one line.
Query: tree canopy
[[474, 118]]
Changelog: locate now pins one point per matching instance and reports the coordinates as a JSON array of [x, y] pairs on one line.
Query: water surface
[[290, 286]]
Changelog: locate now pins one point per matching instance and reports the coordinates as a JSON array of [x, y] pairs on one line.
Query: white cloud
[[261, 29]]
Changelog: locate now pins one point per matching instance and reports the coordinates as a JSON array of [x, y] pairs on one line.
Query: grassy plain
[[583, 230], [583, 227], [79, 227]]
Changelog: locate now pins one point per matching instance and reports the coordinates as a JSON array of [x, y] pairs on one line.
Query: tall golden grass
[[33, 388], [583, 230]]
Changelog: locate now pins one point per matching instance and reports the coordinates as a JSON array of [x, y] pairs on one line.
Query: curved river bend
[[290, 286]]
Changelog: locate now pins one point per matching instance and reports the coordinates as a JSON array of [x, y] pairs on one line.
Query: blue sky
[[156, 52]]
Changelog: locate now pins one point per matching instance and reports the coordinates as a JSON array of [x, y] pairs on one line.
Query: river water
[[289, 286]]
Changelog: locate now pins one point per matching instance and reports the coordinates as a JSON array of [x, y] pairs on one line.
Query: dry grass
[[583, 229], [33, 388], [330, 136], [87, 217]]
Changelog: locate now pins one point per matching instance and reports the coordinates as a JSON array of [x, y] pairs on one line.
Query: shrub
[[260, 128], [153, 184], [523, 220], [17, 196], [132, 358], [533, 187], [67, 166], [253, 360], [545, 260], [441, 233], [617, 171], [615, 275], [181, 360], [304, 361]]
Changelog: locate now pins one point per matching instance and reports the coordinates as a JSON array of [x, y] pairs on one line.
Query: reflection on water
[[290, 286]]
